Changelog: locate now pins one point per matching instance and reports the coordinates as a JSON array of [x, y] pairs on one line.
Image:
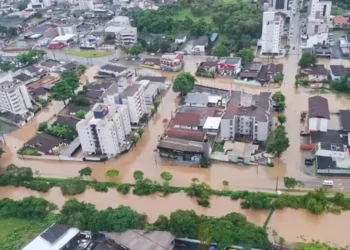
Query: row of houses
[[210, 115]]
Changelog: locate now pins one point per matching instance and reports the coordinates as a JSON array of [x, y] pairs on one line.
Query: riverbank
[[293, 225]]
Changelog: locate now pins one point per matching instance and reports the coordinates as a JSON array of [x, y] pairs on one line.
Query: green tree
[[291, 183], [81, 114], [61, 91], [277, 142], [281, 119], [184, 223], [112, 173], [22, 5], [287, 48], [225, 183], [166, 176], [279, 98], [279, 77], [7, 66], [71, 79], [81, 69], [140, 131], [247, 55], [223, 233], [1, 152], [135, 138], [138, 175], [184, 83], [164, 46], [307, 60], [85, 172], [135, 50], [43, 126], [221, 50]]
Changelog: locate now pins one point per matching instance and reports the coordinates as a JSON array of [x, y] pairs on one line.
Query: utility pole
[[277, 183]]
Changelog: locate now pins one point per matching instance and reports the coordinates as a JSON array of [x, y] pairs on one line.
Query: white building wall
[[86, 4], [136, 105], [16, 101], [317, 7], [64, 30], [262, 131], [318, 124], [271, 33]]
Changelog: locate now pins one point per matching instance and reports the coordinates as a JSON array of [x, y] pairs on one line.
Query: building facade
[[271, 33], [134, 97], [248, 118], [14, 98], [65, 30], [104, 130], [320, 9], [86, 4]]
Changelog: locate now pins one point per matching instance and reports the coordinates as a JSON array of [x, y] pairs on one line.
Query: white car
[[327, 183]]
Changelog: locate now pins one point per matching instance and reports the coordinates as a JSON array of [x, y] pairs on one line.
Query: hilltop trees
[[184, 83]]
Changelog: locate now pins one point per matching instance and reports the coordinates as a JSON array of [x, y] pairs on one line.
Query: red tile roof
[[186, 119], [340, 20], [192, 135]]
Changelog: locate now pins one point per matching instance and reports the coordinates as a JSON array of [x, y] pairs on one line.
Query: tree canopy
[[85, 171], [30, 56], [7, 66], [247, 55], [277, 141], [221, 50], [281, 119], [307, 60], [135, 50], [61, 91], [184, 83]]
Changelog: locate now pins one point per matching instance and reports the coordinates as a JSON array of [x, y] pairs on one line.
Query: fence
[[49, 157]]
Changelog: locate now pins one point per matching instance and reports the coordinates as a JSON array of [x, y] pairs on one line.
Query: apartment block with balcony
[[134, 97], [104, 130], [247, 116], [14, 98], [271, 33]]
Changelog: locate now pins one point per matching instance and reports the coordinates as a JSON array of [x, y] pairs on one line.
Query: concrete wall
[[49, 157], [263, 131]]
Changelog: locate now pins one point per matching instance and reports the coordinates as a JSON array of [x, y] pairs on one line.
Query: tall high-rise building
[[86, 4], [104, 129], [14, 98], [319, 9], [271, 33]]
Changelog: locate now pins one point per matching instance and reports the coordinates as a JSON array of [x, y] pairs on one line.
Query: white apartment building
[[134, 97], [319, 9], [14, 98], [39, 4], [86, 4], [271, 33], [121, 29], [104, 130], [247, 116]]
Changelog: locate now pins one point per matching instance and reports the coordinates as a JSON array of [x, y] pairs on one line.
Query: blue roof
[[214, 36]]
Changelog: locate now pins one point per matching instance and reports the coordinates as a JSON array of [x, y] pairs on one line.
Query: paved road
[[340, 184]]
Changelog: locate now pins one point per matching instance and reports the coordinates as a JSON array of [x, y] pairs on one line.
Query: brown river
[[290, 224]]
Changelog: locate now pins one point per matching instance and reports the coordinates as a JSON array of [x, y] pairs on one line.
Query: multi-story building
[[133, 96], [172, 62], [86, 4], [121, 29], [66, 29], [247, 116], [14, 98], [104, 129], [39, 4], [271, 33], [319, 9]]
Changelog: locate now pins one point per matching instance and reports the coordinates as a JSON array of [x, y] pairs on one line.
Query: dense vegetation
[[238, 21], [59, 130], [315, 202]]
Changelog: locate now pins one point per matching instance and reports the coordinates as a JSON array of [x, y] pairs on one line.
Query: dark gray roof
[[73, 108], [316, 70], [203, 40], [44, 142], [331, 136], [41, 28], [50, 63], [345, 120], [22, 77], [54, 232], [93, 94], [64, 120], [181, 145], [152, 78], [70, 66], [131, 90], [338, 70], [324, 162], [40, 91], [318, 107], [332, 146], [32, 69], [251, 70], [113, 68], [198, 98]]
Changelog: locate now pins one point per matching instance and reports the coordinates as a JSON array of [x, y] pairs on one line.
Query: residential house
[[180, 39], [269, 72], [45, 144], [319, 115], [164, 83], [229, 66], [114, 70], [34, 71], [23, 78], [40, 93], [172, 62], [322, 50], [341, 22], [316, 73], [200, 44], [247, 116], [338, 71], [345, 124], [70, 66], [197, 99], [152, 63], [207, 69], [251, 71]]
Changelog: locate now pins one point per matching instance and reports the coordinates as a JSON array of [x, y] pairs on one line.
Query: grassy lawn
[[181, 15], [28, 151], [89, 53], [15, 233]]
